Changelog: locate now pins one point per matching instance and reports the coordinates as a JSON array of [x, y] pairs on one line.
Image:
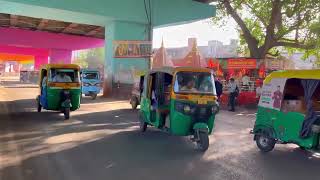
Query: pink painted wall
[[46, 40], [39, 61], [24, 50], [40, 55], [58, 56]]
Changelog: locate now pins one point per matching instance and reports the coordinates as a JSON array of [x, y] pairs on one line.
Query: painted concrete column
[[39, 61], [122, 70], [58, 56]]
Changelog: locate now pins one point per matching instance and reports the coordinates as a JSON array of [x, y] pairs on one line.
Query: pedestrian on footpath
[[233, 93], [219, 87]]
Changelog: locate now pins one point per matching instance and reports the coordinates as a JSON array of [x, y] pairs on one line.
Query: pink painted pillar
[[60, 56], [39, 61]]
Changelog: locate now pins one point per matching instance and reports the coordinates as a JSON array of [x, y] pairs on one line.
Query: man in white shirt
[[245, 81], [62, 77], [233, 93]]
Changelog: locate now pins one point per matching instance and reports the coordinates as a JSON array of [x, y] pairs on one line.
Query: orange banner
[[15, 57], [242, 64]]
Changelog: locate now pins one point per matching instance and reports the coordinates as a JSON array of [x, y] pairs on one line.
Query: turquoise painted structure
[[124, 20]]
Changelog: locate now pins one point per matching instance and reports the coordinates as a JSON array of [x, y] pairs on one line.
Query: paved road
[[101, 141]]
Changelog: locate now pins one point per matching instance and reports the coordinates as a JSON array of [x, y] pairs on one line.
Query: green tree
[[90, 58], [265, 25]]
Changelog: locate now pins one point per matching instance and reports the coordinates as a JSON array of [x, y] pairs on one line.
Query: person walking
[[233, 93], [219, 88]]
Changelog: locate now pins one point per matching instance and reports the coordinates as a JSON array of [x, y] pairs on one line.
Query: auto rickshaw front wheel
[[66, 113], [265, 143], [93, 96], [203, 141]]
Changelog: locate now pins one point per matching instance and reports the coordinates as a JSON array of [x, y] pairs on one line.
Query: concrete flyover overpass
[[101, 22]]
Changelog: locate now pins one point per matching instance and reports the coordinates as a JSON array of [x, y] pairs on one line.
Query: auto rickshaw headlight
[[186, 109]]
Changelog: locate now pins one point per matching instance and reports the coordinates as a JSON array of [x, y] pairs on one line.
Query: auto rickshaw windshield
[[64, 75], [194, 82], [90, 75]]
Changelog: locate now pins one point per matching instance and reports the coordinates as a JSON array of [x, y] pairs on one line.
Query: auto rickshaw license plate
[[202, 101]]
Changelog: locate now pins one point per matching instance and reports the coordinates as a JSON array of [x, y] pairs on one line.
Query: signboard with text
[[132, 49], [242, 64]]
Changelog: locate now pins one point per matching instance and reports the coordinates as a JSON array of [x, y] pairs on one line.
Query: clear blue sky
[[204, 31]]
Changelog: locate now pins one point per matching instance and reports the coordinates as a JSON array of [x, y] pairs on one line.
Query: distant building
[[298, 60], [188, 56], [214, 49], [160, 58]]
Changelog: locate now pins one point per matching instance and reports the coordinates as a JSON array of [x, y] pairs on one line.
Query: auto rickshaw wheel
[[265, 143], [143, 124], [93, 96], [302, 148], [39, 107], [134, 103], [203, 142], [66, 113]]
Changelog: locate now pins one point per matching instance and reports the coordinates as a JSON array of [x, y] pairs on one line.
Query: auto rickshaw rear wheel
[[66, 113], [203, 141], [134, 103], [143, 124], [39, 107], [265, 143]]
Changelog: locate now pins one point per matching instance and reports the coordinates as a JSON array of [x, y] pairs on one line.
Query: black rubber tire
[[134, 103], [93, 96], [66, 113], [265, 143], [143, 124], [302, 148], [203, 143], [39, 107]]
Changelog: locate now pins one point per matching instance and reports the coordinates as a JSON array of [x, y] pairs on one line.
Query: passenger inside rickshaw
[[190, 82], [160, 96], [294, 101], [63, 75], [293, 97]]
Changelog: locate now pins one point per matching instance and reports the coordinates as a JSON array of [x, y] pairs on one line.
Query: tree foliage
[[266, 25], [91, 58]]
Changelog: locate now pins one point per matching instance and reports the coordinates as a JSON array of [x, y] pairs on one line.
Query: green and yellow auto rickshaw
[[60, 88], [289, 110], [181, 101]]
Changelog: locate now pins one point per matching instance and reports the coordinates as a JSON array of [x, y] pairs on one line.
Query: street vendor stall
[[248, 73]]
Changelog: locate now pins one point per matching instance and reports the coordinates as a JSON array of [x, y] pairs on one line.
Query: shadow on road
[[100, 99], [92, 146], [108, 145]]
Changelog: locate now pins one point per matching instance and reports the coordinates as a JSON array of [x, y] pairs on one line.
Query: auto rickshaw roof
[[61, 66], [172, 70], [299, 74]]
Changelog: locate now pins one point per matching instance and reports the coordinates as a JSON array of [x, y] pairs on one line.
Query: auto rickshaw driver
[[62, 77], [190, 86]]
